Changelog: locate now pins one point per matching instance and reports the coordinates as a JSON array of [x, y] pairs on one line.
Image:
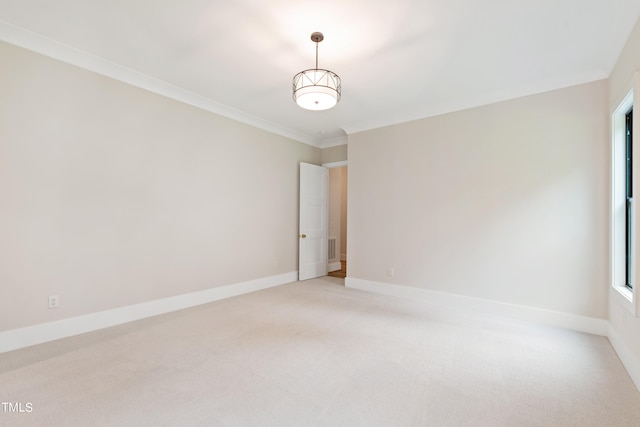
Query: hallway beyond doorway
[[342, 273]]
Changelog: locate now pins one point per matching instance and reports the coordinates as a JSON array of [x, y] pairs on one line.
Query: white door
[[312, 257]]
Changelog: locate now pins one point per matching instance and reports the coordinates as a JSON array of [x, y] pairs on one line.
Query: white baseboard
[[486, 307], [37, 334], [334, 266], [628, 359]]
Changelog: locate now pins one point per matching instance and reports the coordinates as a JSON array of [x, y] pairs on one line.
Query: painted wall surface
[[111, 195], [334, 154], [506, 202], [622, 321]]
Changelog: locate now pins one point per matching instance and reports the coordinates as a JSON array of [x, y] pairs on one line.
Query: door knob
[[304, 236]]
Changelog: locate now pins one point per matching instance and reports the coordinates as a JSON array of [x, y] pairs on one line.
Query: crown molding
[[46, 46], [333, 142]]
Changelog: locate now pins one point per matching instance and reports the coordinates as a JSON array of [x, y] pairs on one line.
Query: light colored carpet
[[319, 354]]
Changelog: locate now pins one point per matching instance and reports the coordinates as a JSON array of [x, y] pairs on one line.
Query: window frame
[[624, 245], [630, 229]]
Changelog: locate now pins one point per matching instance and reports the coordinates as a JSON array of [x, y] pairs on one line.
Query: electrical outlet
[[54, 301], [390, 271]]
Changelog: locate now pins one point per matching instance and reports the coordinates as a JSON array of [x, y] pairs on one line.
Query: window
[[624, 216], [629, 226]]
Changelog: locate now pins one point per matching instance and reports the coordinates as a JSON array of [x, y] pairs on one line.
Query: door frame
[[330, 165], [333, 165]]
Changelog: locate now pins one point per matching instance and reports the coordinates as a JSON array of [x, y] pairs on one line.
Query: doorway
[[337, 216], [323, 220]]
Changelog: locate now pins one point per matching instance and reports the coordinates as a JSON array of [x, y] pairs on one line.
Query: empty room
[[338, 213]]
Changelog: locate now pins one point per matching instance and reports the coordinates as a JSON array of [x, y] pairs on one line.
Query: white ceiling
[[399, 60]]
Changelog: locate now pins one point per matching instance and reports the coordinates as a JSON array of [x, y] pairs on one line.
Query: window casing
[[624, 218], [629, 226]]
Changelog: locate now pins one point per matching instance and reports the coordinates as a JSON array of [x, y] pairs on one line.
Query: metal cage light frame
[[316, 88]]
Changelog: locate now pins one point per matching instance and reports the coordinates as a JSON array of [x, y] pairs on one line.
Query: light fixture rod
[[317, 37]]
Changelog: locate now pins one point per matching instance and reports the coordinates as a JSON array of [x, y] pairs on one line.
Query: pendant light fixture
[[316, 89]]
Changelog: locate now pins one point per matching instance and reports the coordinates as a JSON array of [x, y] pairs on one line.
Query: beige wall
[[111, 195], [506, 202], [334, 154], [623, 322]]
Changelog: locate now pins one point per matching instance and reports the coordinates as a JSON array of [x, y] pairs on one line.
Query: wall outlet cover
[[54, 301]]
